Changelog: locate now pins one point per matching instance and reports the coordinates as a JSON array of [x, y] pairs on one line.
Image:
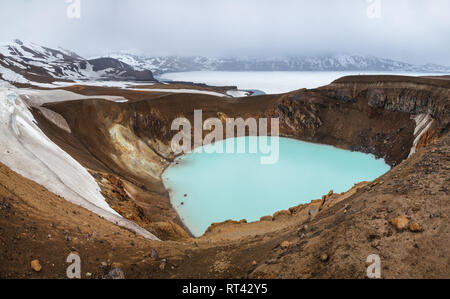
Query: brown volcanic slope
[[370, 114]]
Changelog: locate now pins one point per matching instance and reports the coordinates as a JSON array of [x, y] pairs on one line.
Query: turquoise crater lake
[[208, 188]]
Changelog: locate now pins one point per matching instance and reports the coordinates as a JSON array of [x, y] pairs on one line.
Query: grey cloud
[[411, 30]]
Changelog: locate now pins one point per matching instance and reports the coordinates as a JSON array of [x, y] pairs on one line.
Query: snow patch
[[423, 123], [12, 76], [28, 151], [37, 98], [238, 93], [217, 94]]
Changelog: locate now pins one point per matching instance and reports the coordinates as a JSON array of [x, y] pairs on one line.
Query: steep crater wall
[[370, 115]]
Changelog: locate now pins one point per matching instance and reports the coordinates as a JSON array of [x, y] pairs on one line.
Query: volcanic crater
[[126, 148]]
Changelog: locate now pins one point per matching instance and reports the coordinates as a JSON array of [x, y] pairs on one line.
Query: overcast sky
[[416, 31]]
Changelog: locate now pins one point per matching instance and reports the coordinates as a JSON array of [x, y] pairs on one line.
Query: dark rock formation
[[127, 72]]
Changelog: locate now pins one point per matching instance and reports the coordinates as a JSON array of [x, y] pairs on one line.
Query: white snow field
[[238, 93], [12, 76], [36, 98], [194, 91], [270, 82], [28, 151]]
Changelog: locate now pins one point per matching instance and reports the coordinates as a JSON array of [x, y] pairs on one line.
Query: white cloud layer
[[415, 31]]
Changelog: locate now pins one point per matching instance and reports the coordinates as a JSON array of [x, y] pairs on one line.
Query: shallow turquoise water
[[237, 186]]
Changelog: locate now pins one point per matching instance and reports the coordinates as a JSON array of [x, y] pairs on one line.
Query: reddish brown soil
[[333, 243], [347, 233]]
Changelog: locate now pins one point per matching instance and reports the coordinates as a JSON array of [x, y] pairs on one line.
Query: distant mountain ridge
[[29, 63], [25, 63], [340, 62]]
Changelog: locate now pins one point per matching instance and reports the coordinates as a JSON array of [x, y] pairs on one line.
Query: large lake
[[269, 82], [207, 188]]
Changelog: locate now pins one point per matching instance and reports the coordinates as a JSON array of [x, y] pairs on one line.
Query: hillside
[[25, 63], [339, 62]]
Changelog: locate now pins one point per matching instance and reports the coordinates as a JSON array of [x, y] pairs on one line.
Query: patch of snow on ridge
[[238, 93], [36, 98], [5, 84], [28, 151], [12, 76], [101, 83], [121, 101], [212, 93], [423, 123]]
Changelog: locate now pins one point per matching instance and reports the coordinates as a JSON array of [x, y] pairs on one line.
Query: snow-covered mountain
[[341, 62], [25, 63], [29, 63]]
